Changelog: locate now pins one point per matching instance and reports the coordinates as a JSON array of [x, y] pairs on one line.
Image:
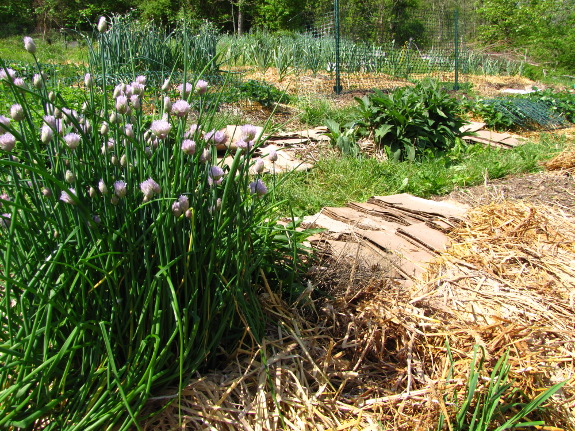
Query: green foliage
[[344, 139], [262, 92], [112, 290], [412, 121], [131, 44], [498, 406]]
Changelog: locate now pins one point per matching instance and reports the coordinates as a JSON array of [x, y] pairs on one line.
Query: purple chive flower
[[184, 202], [17, 112], [201, 86], [102, 187], [191, 131], [19, 82], [96, 219], [216, 137], [5, 220], [72, 140], [141, 79], [121, 104], [181, 108], [189, 147], [50, 120], [7, 142], [29, 45], [8, 74], [258, 188], [102, 24], [176, 209], [249, 132], [67, 196], [184, 90], [149, 189], [120, 189], [259, 166], [215, 175], [4, 122], [273, 156], [244, 146], [161, 128]]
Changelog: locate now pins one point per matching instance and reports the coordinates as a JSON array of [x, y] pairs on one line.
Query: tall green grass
[[125, 261]]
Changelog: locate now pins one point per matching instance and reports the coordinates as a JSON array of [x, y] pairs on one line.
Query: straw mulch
[[372, 356]]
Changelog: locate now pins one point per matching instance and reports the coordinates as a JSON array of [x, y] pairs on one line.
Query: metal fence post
[[456, 47], [337, 87]]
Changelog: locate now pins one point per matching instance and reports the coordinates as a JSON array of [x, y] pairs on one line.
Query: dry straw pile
[[372, 356]]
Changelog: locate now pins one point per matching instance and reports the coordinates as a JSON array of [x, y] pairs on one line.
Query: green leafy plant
[[261, 92], [496, 405], [411, 121], [343, 138]]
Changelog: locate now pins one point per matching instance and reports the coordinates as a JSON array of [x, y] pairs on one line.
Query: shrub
[[128, 253], [411, 121]]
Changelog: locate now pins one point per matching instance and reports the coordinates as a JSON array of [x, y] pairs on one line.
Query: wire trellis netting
[[374, 48]]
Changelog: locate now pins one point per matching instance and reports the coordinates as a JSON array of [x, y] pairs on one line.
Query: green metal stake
[[337, 87], [456, 45]]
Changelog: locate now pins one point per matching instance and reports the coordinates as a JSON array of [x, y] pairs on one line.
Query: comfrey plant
[[128, 253]]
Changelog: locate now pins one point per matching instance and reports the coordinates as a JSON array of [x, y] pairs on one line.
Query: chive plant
[[128, 253]]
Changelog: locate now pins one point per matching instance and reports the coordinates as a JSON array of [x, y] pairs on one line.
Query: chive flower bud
[[102, 25], [166, 85], [259, 166], [29, 45], [123, 160], [273, 156], [46, 192], [167, 104], [37, 81], [17, 112], [88, 80], [46, 134], [104, 129], [129, 130], [121, 104], [70, 177], [92, 192], [135, 101], [102, 187], [205, 156], [215, 175], [8, 74], [5, 220]]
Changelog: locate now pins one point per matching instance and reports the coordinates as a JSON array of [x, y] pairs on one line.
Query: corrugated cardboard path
[[400, 232]]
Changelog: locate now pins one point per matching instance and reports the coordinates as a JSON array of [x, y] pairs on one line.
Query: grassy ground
[[336, 180], [55, 48]]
